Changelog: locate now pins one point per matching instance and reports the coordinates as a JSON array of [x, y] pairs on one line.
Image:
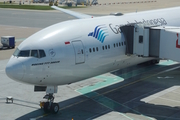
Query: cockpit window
[[16, 52], [24, 53], [34, 53], [42, 53]]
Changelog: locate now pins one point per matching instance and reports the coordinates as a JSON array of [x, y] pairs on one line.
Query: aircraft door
[[79, 52]]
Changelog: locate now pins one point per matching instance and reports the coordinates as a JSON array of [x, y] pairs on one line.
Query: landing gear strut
[[49, 105]]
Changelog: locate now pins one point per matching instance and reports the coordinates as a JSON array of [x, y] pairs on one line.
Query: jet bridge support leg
[[49, 105]]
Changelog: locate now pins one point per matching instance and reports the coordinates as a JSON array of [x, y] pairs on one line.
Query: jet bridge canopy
[[152, 41]]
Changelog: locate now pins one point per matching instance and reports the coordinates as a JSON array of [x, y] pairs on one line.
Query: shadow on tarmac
[[5, 48], [121, 97]]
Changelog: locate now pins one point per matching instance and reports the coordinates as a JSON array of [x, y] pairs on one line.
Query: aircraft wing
[[75, 14]]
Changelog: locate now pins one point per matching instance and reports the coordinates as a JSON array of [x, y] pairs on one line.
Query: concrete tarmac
[[136, 93], [23, 23], [127, 6]]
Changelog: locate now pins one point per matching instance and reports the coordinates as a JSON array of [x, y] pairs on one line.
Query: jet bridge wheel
[[151, 62], [157, 61]]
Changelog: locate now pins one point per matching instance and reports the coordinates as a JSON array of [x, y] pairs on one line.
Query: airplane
[[75, 50]]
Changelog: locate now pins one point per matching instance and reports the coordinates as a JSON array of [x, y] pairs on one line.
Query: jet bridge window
[[34, 53], [24, 53], [140, 39]]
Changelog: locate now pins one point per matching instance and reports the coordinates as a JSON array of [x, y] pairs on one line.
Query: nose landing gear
[[49, 105]]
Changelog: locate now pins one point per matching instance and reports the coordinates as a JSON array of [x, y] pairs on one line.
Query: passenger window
[[34, 53], [24, 53], [122, 43], [42, 53], [93, 49], [108, 46], [117, 44], [103, 47], [96, 48], [90, 50], [114, 45]]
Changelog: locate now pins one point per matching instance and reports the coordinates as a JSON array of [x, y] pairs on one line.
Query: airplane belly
[[84, 71]]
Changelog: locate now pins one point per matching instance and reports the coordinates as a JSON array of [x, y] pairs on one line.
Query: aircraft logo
[[100, 33], [52, 53]]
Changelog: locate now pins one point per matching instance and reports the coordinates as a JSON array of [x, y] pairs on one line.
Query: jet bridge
[[152, 41]]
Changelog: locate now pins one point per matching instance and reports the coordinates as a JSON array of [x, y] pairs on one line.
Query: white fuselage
[[75, 50]]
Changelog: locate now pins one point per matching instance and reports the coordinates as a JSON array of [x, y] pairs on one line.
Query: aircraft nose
[[14, 69]]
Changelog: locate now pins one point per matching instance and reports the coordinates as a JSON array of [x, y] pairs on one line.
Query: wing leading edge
[[75, 14]]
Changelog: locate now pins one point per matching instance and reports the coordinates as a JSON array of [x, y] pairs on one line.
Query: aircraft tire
[[46, 104], [55, 108]]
